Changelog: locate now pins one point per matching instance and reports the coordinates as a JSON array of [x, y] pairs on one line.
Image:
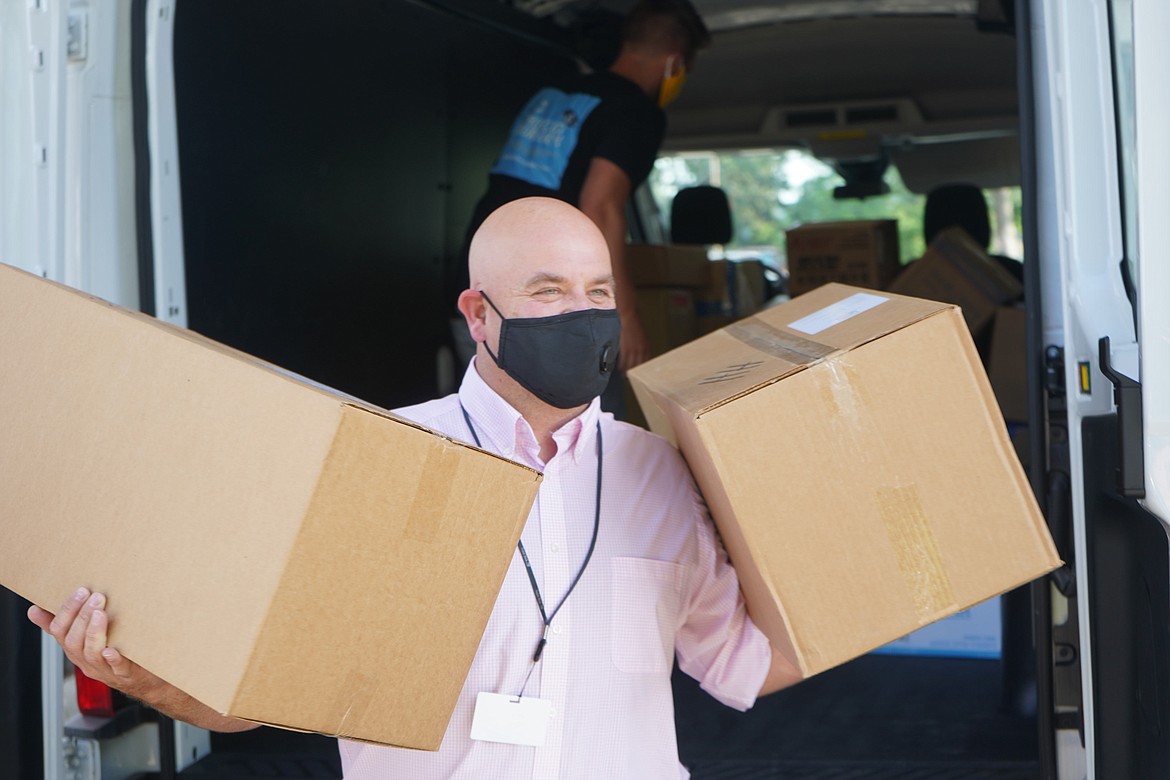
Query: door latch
[[1127, 396]]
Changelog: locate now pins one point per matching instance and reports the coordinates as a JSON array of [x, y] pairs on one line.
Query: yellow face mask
[[672, 85]]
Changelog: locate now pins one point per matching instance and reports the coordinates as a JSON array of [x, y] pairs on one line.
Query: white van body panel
[[1080, 244], [170, 296], [1081, 240], [32, 87], [1151, 66]]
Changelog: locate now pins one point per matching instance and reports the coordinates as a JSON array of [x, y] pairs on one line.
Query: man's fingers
[[75, 638], [41, 618], [120, 665], [95, 637], [65, 616]]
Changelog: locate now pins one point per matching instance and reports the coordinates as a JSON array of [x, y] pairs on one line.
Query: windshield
[[774, 190]]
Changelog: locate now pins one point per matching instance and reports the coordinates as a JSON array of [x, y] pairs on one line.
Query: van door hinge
[[1127, 397], [82, 759], [77, 35]]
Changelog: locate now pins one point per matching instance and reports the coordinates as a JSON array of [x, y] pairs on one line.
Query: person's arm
[[603, 199], [80, 628], [781, 674]]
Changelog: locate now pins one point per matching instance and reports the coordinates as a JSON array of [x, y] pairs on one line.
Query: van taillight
[[93, 697]]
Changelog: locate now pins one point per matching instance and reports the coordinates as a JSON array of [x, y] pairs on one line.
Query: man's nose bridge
[[578, 299]]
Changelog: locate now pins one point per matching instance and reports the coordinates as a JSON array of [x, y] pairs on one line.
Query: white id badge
[[513, 720]]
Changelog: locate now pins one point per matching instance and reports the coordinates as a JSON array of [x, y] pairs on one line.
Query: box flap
[[775, 343], [8, 272]]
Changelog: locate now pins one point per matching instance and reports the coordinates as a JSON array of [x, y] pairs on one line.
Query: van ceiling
[[849, 80]]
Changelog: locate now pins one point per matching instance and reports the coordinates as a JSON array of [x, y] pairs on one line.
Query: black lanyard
[[548, 616]]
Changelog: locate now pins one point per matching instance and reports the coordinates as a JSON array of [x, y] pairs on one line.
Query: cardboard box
[[1006, 367], [668, 315], [863, 253], [673, 265], [283, 553], [853, 456], [732, 290], [956, 270], [755, 285]]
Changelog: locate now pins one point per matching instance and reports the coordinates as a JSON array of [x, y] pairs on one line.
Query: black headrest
[[957, 204], [700, 215]]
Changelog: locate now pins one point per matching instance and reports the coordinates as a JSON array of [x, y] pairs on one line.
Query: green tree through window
[[771, 191]]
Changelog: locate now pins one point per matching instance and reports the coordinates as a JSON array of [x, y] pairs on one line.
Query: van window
[[1121, 28], [773, 190]]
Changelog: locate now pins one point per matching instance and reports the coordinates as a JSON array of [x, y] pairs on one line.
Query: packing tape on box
[[777, 343], [428, 509], [917, 552]]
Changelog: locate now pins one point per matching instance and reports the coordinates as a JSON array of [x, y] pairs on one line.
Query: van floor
[[876, 718]]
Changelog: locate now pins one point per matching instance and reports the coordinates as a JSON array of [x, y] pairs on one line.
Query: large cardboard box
[[863, 253], [283, 553], [853, 456], [672, 265], [956, 270]]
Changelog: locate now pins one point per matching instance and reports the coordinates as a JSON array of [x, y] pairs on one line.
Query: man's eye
[[601, 293]]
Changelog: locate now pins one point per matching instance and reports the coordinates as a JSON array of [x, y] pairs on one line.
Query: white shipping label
[[513, 720], [836, 313]]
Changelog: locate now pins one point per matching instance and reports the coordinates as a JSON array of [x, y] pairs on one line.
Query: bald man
[[619, 569]]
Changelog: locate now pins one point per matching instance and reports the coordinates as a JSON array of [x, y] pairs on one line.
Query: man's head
[[666, 27], [531, 259], [660, 39]]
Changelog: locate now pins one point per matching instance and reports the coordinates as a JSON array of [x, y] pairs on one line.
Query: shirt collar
[[503, 430]]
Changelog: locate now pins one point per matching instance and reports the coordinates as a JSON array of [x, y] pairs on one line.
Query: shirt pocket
[[646, 596]]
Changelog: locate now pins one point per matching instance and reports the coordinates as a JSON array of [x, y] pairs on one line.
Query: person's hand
[[80, 627], [635, 346]]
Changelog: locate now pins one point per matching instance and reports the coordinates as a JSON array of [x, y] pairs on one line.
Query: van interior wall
[[330, 156]]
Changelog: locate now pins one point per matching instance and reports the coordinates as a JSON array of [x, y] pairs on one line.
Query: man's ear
[[474, 310]]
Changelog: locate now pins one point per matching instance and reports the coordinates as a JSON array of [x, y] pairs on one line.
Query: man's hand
[[80, 627]]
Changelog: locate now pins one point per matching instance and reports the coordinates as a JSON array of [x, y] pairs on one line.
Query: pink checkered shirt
[[659, 584]]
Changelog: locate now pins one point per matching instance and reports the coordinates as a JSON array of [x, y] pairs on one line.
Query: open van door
[[1102, 350], [90, 199]]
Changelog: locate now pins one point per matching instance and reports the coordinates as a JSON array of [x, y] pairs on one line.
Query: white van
[[293, 179]]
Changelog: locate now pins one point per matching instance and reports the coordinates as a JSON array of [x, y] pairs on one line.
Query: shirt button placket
[[558, 574]]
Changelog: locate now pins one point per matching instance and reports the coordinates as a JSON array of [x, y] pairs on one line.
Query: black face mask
[[564, 360]]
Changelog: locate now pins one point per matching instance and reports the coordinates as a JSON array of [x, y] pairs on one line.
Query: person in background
[[963, 205], [619, 570], [594, 142]]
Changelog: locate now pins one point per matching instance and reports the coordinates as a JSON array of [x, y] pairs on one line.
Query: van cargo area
[[294, 181], [344, 189]]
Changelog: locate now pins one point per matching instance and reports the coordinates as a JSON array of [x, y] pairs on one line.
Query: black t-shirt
[[555, 138]]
